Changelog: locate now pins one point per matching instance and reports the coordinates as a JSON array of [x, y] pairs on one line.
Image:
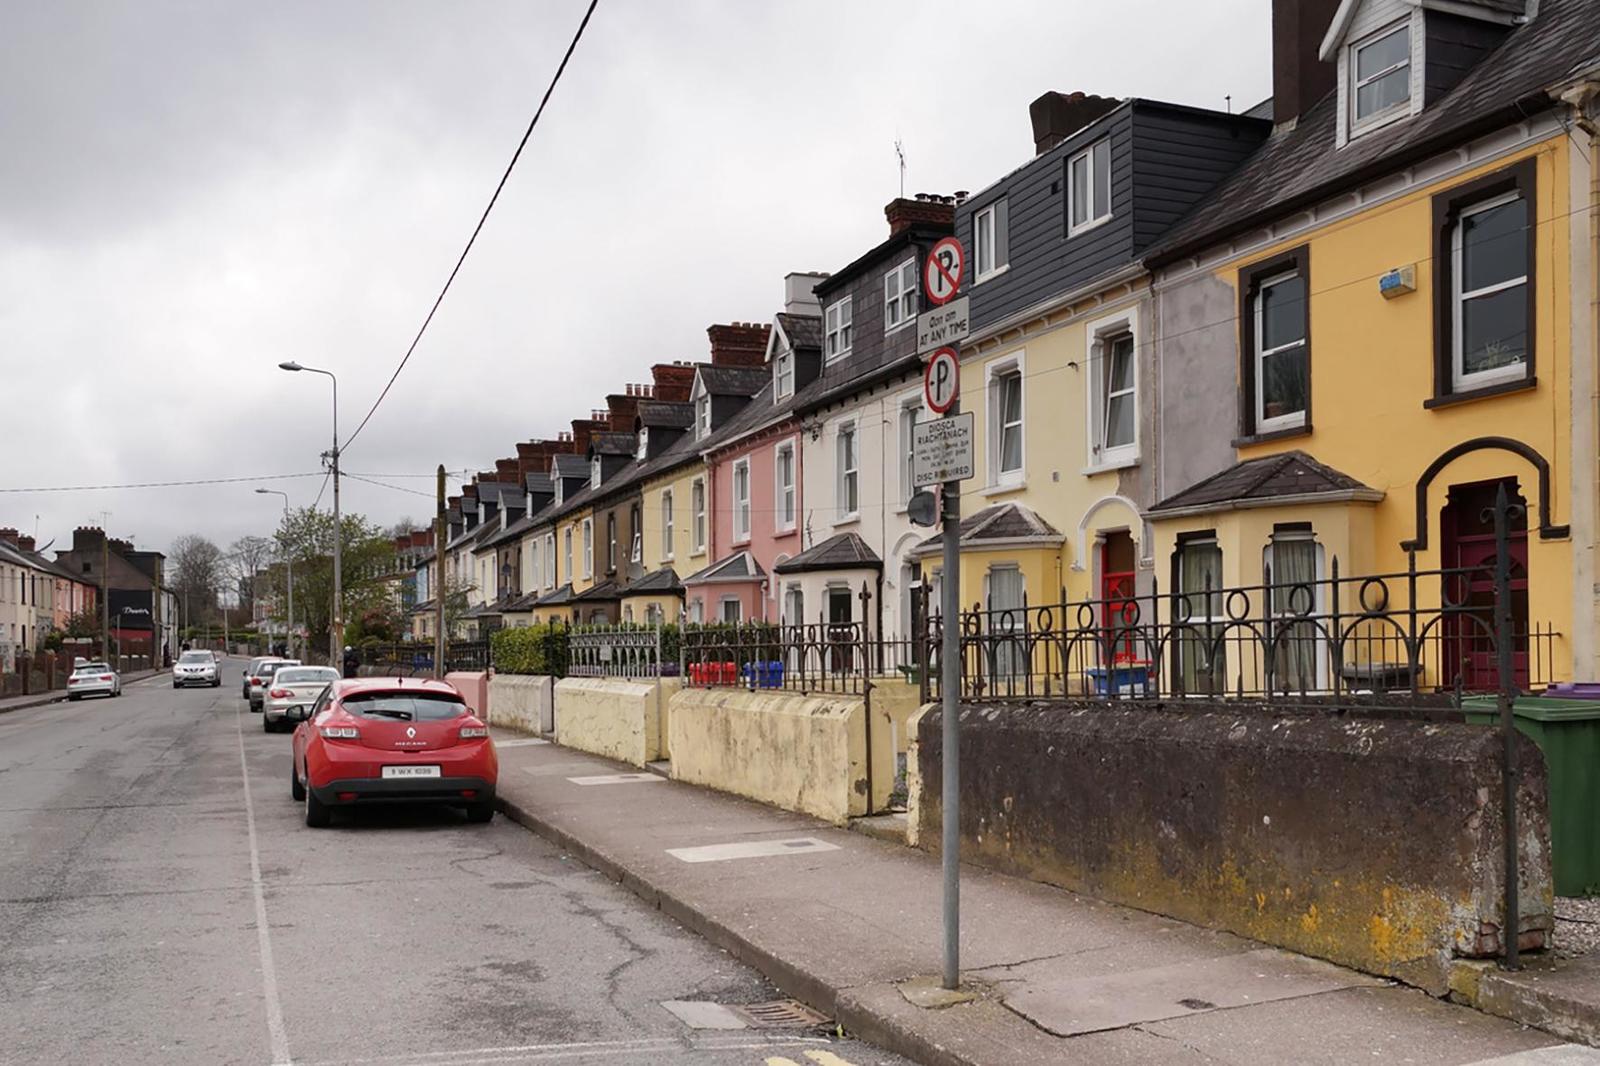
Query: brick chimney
[[121, 547], [8, 536], [673, 381], [1057, 116], [583, 429], [622, 409], [508, 470], [739, 344], [25, 543], [1299, 78], [927, 209]]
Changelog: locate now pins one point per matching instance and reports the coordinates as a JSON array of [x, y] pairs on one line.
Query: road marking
[[277, 1035], [826, 1058], [519, 743], [615, 779], [751, 849], [547, 1052]]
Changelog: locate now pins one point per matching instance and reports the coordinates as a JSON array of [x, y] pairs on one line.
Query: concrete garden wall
[[1375, 843], [523, 701], [619, 718]]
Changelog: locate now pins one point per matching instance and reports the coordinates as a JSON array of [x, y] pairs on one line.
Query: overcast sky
[[193, 192]]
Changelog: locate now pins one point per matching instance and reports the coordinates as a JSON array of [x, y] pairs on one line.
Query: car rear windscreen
[[405, 706], [93, 668], [305, 675]]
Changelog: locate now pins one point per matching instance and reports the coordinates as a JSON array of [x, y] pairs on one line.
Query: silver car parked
[[93, 679], [293, 686]]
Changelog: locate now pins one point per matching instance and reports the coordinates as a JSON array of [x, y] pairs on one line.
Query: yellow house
[[1377, 324], [676, 534]]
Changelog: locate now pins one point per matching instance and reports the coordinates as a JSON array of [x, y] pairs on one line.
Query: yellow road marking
[[779, 1060], [826, 1058]]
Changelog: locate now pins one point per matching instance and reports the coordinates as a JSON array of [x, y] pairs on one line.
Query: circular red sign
[[941, 381], [942, 271]]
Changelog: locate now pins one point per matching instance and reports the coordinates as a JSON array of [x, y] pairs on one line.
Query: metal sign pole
[[950, 745]]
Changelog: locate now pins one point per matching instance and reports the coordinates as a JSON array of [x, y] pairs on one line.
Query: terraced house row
[[1206, 348]]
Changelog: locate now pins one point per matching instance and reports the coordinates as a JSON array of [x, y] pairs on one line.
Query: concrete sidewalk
[[40, 699], [850, 925]]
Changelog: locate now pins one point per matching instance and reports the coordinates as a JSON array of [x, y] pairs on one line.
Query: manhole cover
[[779, 1014]]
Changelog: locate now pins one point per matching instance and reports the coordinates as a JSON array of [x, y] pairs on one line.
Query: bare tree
[[197, 571], [247, 557]]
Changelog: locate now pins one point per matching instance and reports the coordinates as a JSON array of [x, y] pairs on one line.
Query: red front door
[[1118, 610], [1468, 555]]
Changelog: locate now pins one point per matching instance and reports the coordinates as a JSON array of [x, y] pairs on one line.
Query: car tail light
[[474, 732], [280, 693], [105, 677], [255, 681], [347, 797], [340, 732]]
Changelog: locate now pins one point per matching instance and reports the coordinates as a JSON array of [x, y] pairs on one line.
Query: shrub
[[531, 650]]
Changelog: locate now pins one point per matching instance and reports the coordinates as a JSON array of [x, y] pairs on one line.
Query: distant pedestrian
[[352, 662]]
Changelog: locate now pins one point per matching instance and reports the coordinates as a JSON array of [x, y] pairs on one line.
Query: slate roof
[[740, 566], [1265, 481], [606, 591], [500, 536], [655, 413], [569, 465], [842, 551], [657, 581], [538, 482], [1002, 522], [734, 380], [614, 444], [803, 331], [557, 598], [1301, 166]]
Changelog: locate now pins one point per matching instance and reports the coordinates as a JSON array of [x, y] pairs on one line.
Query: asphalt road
[[161, 901]]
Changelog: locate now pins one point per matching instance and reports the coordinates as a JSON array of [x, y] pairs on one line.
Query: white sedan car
[[293, 686], [93, 679]]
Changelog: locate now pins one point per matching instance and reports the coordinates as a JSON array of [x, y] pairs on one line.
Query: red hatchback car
[[389, 740]]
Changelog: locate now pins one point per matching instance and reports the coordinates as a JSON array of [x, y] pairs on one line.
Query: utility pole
[[440, 641], [105, 594]]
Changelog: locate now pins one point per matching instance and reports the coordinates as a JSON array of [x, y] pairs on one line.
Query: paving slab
[[1562, 996], [1079, 1005]]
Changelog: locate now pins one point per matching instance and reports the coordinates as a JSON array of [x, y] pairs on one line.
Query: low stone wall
[[523, 701], [619, 718], [1373, 843], [802, 753]]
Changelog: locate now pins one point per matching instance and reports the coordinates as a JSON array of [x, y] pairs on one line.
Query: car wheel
[[176, 685], [72, 699], [266, 726], [479, 813], [318, 816], [217, 683], [296, 789]]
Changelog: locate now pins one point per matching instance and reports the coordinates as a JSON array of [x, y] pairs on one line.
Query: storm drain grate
[[779, 1014]]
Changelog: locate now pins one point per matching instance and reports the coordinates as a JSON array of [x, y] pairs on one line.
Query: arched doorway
[[1468, 556]]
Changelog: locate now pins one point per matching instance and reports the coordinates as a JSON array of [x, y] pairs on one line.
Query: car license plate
[[410, 771]]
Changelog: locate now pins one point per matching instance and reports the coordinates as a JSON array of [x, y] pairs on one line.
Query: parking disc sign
[[941, 382]]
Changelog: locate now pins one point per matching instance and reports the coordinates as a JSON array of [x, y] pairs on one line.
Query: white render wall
[[883, 488]]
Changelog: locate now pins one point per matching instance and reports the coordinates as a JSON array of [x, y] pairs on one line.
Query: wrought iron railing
[[621, 650], [417, 657], [840, 658]]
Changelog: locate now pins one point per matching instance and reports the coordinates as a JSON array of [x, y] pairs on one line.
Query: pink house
[[752, 455]]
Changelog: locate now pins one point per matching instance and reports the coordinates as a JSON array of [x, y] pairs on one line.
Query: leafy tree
[[368, 559]]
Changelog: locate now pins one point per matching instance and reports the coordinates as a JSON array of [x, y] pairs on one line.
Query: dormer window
[[1089, 187], [783, 375], [836, 342], [559, 494], [702, 417], [900, 296], [644, 445], [1380, 77], [594, 472]]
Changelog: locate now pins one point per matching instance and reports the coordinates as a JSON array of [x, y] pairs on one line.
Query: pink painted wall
[[768, 544], [753, 604]]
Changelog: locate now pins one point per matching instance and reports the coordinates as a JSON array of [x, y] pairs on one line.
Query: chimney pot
[[927, 209]]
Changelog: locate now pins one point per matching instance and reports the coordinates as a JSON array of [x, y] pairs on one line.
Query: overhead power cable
[[479, 227], [164, 484]]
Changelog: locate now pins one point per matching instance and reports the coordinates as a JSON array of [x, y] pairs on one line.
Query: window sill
[[1110, 466], [1093, 224], [740, 542], [1004, 488], [847, 520], [979, 279], [787, 531], [1483, 392], [1302, 430], [907, 323]]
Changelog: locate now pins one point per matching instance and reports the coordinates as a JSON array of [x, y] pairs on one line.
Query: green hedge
[[531, 650]]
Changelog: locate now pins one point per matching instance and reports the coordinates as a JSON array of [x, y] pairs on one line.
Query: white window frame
[[986, 247], [611, 542], [535, 567], [783, 374], [1460, 380], [738, 610], [911, 413], [697, 612], [594, 472], [848, 469], [1090, 157], [1359, 124], [643, 447], [838, 329], [588, 547], [666, 526], [1097, 334], [568, 546], [697, 504], [900, 296], [1258, 358], [702, 416], [1318, 599], [783, 492], [997, 369], [741, 507], [794, 604]]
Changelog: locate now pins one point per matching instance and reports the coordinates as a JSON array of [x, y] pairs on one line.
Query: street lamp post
[[336, 630], [288, 562]]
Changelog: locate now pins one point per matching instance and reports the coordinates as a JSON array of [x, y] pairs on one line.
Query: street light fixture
[[336, 630], [288, 562]]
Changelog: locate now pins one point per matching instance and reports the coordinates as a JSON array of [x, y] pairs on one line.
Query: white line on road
[[616, 779], [523, 743], [536, 1052], [277, 1035], [751, 849]]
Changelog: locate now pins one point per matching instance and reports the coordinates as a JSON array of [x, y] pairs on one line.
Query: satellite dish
[[923, 508]]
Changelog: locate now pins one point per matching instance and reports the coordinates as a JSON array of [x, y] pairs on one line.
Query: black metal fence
[[838, 658], [417, 657]]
